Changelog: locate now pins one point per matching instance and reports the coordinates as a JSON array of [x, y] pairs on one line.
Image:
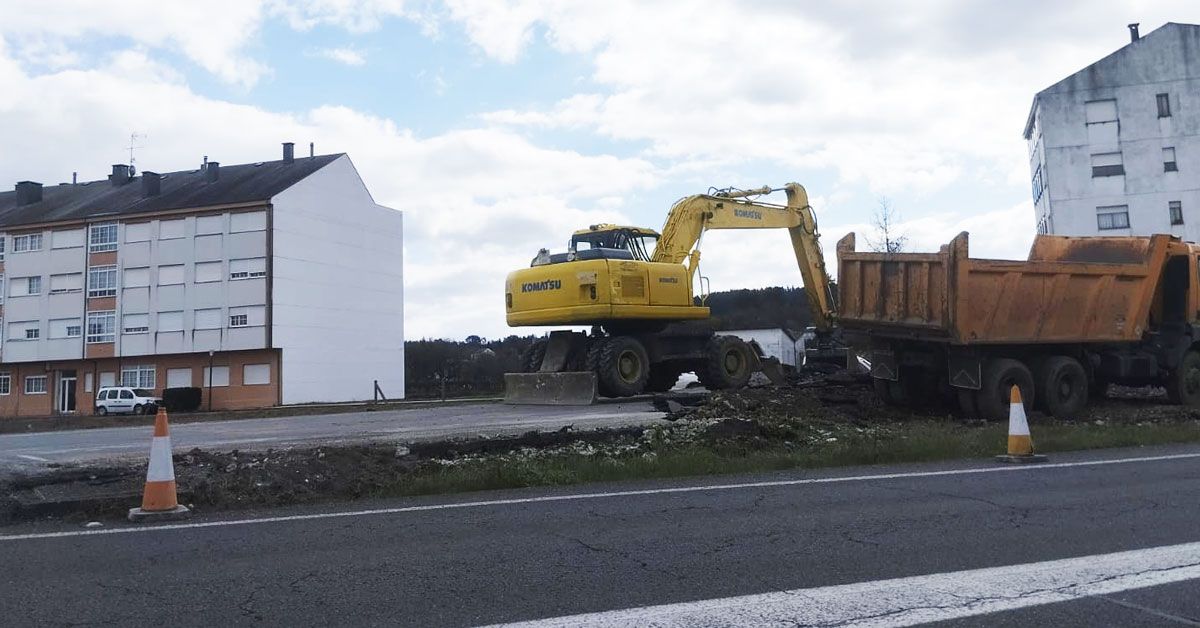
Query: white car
[[123, 399]]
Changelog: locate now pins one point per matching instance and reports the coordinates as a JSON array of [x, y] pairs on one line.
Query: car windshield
[[142, 392], [640, 245]]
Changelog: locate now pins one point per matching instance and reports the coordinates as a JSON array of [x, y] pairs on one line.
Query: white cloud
[[345, 56]]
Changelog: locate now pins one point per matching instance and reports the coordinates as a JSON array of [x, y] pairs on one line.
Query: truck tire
[[662, 378], [728, 363], [1183, 387], [999, 376], [531, 359], [623, 366], [1063, 387]]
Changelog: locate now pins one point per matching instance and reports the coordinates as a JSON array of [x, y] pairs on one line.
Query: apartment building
[[275, 282], [1114, 149]]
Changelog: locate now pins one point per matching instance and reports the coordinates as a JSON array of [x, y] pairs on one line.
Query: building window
[[1115, 217], [1103, 128], [2, 241], [101, 326], [25, 286], [1164, 105], [210, 224], [135, 324], [208, 271], [5, 383], [1038, 185], [108, 380], [170, 321], [247, 221], [1107, 165], [256, 374], [248, 316], [65, 328], [102, 281], [207, 319], [219, 376], [1169, 164], [179, 378], [24, 330], [1176, 209], [137, 232], [138, 376], [102, 237], [137, 277], [169, 275], [248, 268], [62, 284], [35, 385], [170, 229], [27, 243], [66, 239]]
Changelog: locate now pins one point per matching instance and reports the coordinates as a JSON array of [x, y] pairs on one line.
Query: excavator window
[[640, 245]]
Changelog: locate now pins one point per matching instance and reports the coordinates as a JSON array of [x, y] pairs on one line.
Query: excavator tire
[[531, 359], [622, 367], [728, 363]]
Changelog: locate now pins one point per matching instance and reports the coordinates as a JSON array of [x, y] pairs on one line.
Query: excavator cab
[[639, 242]]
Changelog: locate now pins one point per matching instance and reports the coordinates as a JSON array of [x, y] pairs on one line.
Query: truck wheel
[[531, 360], [728, 362], [662, 378], [623, 366], [999, 376], [1063, 387], [1184, 384]]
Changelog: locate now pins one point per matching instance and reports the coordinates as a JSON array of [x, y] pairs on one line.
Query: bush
[[181, 399]]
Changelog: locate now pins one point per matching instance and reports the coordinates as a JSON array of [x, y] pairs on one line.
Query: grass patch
[[921, 441]]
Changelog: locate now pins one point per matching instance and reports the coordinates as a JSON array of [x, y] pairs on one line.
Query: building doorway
[[66, 392]]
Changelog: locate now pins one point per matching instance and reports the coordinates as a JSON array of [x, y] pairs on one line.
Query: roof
[[605, 227], [1101, 73], [238, 183]]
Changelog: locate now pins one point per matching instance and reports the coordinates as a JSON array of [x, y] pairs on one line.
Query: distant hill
[[760, 308]]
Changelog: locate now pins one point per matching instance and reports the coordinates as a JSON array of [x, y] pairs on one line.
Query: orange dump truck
[[1080, 314]]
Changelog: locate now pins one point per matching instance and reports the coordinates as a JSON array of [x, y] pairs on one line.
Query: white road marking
[[34, 458], [917, 599], [604, 495]]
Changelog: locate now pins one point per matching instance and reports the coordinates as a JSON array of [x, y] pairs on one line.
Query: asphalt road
[[22, 451], [1092, 539]]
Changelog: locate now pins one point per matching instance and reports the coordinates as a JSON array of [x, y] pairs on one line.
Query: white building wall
[[337, 289], [1062, 143]]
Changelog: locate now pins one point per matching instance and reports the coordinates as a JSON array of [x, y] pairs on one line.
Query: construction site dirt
[[823, 421]]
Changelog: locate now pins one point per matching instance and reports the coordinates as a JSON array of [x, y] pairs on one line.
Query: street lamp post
[[210, 378]]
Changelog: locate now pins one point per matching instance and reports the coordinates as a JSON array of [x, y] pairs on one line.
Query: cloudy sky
[[499, 126]]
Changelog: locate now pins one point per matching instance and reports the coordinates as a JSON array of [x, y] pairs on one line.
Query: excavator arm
[[692, 216]]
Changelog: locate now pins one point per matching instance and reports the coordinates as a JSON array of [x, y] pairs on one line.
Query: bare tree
[[887, 237]]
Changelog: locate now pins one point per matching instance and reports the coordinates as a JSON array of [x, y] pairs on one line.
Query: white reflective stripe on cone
[[1017, 425], [161, 469]]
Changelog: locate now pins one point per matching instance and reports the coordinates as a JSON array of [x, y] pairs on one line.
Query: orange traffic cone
[[1020, 444], [159, 500]]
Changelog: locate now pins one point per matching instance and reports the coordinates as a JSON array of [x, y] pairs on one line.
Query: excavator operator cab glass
[[639, 245]]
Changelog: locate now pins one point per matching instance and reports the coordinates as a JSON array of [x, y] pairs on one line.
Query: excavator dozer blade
[[570, 388]]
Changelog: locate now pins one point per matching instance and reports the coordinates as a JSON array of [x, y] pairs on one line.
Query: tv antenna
[[133, 145]]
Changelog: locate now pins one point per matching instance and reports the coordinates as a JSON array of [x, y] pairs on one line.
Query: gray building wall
[[1064, 146]]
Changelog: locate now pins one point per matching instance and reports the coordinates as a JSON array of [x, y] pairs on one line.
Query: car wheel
[[101, 410], [137, 409]]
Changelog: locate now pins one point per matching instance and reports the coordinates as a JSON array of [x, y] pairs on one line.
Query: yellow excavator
[[635, 287]]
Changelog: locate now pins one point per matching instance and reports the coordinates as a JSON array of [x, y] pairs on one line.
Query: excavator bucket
[[570, 388]]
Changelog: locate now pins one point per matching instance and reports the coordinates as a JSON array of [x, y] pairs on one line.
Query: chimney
[[151, 184], [213, 171], [311, 150], [1133, 32], [120, 175], [289, 152], [28, 192]]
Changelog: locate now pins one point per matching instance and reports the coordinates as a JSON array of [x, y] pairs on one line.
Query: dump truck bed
[[1070, 290]]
